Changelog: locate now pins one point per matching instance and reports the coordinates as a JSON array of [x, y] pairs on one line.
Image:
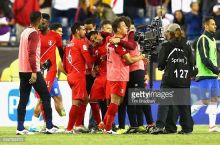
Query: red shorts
[[77, 83], [98, 91], [118, 88]]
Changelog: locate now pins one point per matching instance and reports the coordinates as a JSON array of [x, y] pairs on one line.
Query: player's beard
[[43, 28]]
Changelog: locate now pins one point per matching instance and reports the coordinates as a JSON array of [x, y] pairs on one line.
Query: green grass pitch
[[200, 136]]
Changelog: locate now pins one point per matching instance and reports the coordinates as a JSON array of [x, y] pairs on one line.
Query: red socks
[[81, 114], [72, 117], [95, 112], [110, 116]]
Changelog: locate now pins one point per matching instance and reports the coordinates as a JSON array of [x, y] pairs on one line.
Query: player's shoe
[[149, 128], [95, 129], [214, 129], [24, 132], [157, 130], [34, 129], [101, 126], [81, 129], [184, 133], [131, 130], [121, 131], [109, 132], [141, 129], [69, 131], [53, 130], [114, 128]]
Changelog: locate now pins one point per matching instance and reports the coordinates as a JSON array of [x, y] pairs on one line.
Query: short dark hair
[[91, 33], [35, 16], [191, 4], [105, 22], [55, 26], [46, 16], [75, 27], [117, 22], [90, 21], [207, 19]]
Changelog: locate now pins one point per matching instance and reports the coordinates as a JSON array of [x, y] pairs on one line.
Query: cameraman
[[177, 49]]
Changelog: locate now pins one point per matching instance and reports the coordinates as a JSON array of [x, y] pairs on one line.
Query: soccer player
[[105, 31], [90, 25], [30, 75], [99, 89], [49, 42], [76, 56], [136, 80], [118, 59], [208, 72]]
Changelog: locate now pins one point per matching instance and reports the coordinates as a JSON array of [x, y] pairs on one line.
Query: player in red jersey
[[50, 40], [76, 56], [118, 60], [98, 91]]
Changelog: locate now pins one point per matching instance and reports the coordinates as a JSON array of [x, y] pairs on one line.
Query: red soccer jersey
[[76, 56], [101, 57], [49, 43]]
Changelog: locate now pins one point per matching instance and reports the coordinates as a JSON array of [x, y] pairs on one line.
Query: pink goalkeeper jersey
[[29, 51], [137, 65], [117, 69]]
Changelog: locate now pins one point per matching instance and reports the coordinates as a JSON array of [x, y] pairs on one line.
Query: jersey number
[[69, 57], [181, 73]]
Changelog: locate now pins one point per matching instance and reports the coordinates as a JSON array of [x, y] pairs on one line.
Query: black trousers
[[168, 115], [186, 120], [25, 89]]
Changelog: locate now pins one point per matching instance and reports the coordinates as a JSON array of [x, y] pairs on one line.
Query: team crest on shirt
[[50, 42]]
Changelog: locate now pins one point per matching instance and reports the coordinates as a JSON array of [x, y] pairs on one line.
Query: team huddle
[[100, 66]]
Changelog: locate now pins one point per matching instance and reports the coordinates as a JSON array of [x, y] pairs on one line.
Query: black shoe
[[149, 128], [131, 130], [169, 132], [157, 130], [114, 128], [95, 130], [183, 132]]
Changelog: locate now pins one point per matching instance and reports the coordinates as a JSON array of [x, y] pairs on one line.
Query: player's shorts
[[118, 88], [209, 88], [195, 92], [55, 89], [98, 91], [77, 82]]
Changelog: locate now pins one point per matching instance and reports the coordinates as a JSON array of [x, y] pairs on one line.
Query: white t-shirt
[[65, 4]]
